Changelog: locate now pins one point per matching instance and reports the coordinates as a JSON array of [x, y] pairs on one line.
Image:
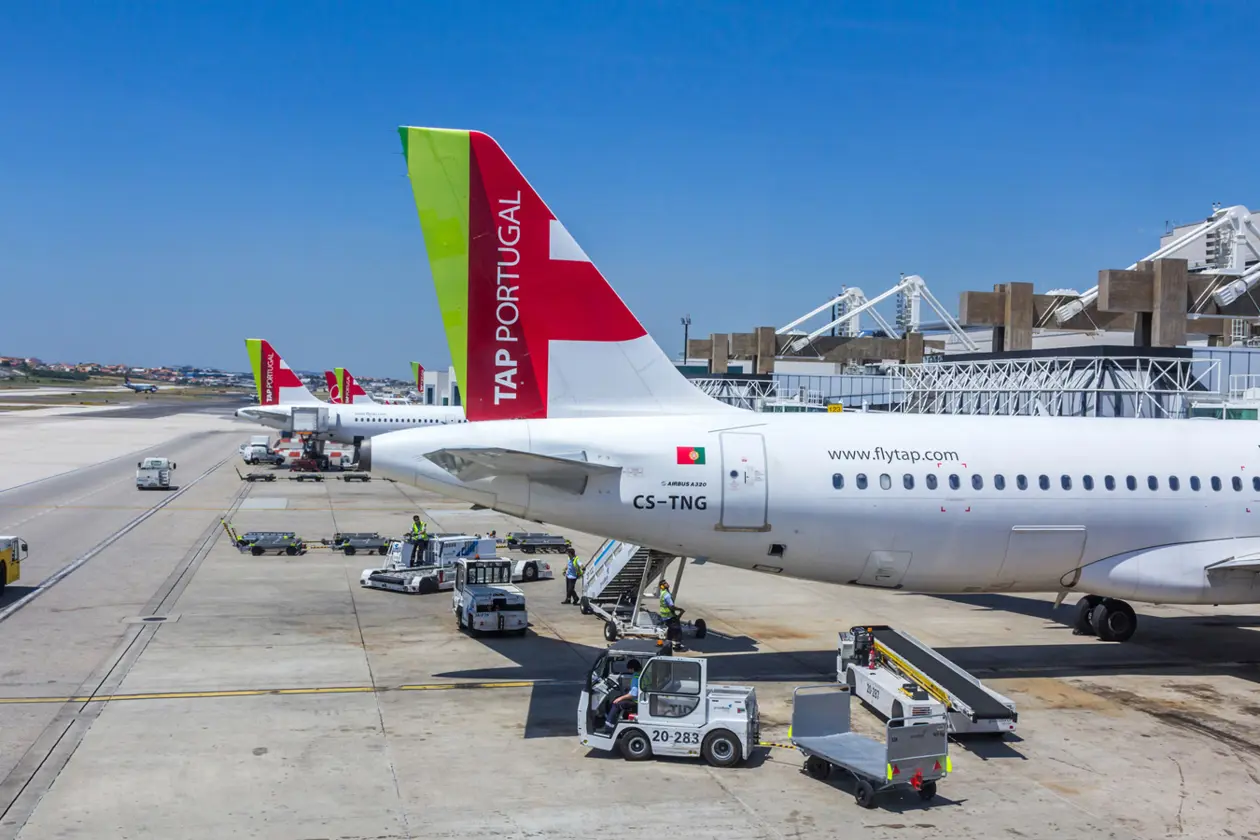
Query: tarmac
[[156, 683]]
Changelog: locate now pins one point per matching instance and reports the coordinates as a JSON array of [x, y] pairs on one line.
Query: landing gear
[[1110, 619]]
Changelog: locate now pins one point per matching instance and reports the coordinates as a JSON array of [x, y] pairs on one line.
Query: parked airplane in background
[[344, 390], [586, 424], [280, 391], [139, 389], [417, 376]]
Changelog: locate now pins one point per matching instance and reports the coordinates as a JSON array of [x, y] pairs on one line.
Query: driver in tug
[[626, 702]]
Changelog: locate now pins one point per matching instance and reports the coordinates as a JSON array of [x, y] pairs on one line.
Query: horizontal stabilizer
[[566, 474], [1242, 563]]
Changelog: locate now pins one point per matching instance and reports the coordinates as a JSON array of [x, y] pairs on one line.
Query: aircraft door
[[744, 495]]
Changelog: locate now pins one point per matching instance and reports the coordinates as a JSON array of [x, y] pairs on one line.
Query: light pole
[[686, 325]]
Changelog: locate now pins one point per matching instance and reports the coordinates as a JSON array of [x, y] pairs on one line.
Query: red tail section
[[353, 388], [334, 392], [529, 284], [275, 375]]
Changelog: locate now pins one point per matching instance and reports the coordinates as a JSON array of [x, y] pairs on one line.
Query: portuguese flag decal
[[691, 454]]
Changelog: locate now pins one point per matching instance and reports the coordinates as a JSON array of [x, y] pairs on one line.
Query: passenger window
[[907, 481], [1021, 481], [837, 481], [1255, 483], [1237, 482], [954, 483], [999, 481], [1174, 483], [930, 479], [1087, 481], [861, 481], [1130, 482], [1194, 483], [1152, 482], [1216, 483], [1043, 481], [1065, 481], [885, 481], [977, 482], [1109, 482]]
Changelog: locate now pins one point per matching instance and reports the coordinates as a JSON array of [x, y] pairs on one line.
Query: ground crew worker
[[572, 571], [419, 537], [671, 614], [626, 702]]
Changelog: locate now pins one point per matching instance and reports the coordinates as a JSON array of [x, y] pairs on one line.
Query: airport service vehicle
[[485, 601], [13, 551], [620, 584], [259, 543], [154, 473], [256, 476], [679, 713], [353, 542], [901, 677], [285, 403], [914, 752], [614, 440], [428, 566]]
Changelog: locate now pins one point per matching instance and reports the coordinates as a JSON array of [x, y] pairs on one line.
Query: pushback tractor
[[485, 600], [679, 713], [425, 566], [897, 676]]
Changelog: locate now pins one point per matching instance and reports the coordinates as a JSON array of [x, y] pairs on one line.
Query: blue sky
[[175, 177]]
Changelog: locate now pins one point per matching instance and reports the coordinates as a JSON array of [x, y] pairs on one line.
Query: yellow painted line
[[265, 692]]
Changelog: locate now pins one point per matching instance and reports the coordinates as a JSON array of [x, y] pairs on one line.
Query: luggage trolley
[[258, 543], [350, 543], [914, 753]]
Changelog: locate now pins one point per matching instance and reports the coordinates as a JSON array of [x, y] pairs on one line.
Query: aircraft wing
[[566, 473]]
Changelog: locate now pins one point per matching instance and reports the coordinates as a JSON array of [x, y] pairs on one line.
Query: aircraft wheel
[[1114, 621], [1084, 625]]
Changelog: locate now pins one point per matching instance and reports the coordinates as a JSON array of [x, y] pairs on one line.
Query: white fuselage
[[849, 498], [347, 423]]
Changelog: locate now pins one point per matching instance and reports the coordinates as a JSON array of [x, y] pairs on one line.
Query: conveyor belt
[[983, 705]]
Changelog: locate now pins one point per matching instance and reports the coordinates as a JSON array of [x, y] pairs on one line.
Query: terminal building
[[1172, 335]]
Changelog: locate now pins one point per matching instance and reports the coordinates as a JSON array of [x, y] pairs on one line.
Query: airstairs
[[615, 583]]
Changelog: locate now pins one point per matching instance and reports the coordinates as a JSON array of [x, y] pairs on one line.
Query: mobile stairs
[[617, 584]]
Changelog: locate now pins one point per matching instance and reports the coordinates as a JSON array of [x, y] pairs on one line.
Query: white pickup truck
[[485, 599], [154, 473]]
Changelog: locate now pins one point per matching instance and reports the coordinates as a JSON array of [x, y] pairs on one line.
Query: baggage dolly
[[914, 753], [351, 543], [259, 543], [256, 476], [535, 542]]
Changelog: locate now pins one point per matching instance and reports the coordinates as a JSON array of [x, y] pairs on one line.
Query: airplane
[[580, 420], [139, 389], [280, 391], [353, 390], [417, 375]]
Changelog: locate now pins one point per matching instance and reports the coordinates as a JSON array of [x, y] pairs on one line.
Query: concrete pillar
[[1168, 315], [914, 348], [721, 352], [765, 350], [1019, 316]]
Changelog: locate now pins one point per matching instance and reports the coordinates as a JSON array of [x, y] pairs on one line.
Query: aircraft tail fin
[[534, 329], [277, 383], [417, 375], [352, 391], [334, 390]]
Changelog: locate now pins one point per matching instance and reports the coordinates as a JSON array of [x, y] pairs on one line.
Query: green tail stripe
[[254, 347], [438, 166]]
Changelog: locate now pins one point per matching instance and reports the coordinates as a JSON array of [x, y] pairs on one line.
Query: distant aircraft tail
[[417, 374], [350, 390], [534, 329], [276, 381], [334, 390]]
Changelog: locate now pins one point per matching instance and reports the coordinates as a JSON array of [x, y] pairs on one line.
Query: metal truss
[[1061, 386], [759, 394]]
